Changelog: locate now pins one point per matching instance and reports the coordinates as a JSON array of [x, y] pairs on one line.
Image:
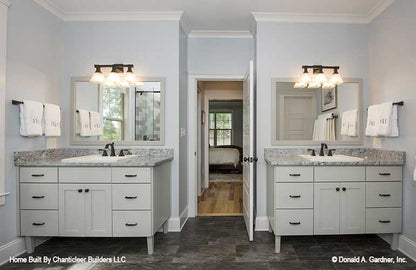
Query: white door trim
[[193, 133]]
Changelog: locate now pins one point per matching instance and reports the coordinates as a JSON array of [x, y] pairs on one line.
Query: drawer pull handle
[[384, 221], [130, 197], [38, 197], [384, 195], [131, 175], [38, 175], [294, 174], [131, 224], [294, 196], [38, 224], [294, 223], [385, 174]]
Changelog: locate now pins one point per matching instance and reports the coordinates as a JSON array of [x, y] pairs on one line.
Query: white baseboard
[[406, 245], [183, 218], [17, 247], [262, 224], [174, 224], [14, 248]]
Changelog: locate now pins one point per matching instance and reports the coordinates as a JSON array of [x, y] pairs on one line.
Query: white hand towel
[[345, 123], [52, 117], [394, 124], [372, 120], [31, 113], [353, 123], [96, 124], [385, 119], [84, 123]]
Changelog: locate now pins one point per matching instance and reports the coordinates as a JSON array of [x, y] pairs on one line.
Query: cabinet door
[[352, 208], [71, 210], [98, 210], [326, 208]]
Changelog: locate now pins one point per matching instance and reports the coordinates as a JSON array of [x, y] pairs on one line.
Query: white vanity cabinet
[[94, 202], [325, 200]]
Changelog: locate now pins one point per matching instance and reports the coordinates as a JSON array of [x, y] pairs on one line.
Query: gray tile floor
[[218, 243]]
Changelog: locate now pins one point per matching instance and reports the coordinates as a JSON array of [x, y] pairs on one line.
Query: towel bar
[[4, 194], [399, 103], [17, 102]]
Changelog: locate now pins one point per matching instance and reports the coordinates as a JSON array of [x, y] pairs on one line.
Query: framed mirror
[[127, 116], [309, 116]]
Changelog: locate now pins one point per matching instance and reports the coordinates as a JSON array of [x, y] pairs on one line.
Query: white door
[[98, 210], [352, 208], [326, 208], [249, 150], [298, 113], [71, 210]]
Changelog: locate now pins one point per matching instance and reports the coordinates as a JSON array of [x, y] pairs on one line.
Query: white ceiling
[[219, 15]]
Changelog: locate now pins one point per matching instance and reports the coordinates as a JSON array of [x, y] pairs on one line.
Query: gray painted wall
[[215, 56], [392, 78], [34, 68], [153, 48], [281, 50], [183, 120]]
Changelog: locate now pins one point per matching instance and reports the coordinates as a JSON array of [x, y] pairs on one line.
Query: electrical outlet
[[376, 142], [51, 143]]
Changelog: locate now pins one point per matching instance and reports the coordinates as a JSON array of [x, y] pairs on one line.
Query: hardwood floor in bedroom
[[221, 199]]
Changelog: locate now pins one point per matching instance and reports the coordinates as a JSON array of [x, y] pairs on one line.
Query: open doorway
[[220, 139]]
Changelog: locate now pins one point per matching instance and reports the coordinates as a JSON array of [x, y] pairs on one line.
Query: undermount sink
[[97, 159], [334, 158]]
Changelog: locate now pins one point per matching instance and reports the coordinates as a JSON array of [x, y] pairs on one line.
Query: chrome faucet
[[112, 151], [322, 151]]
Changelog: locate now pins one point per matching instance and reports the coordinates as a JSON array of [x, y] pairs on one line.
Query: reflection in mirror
[[126, 115], [316, 115]]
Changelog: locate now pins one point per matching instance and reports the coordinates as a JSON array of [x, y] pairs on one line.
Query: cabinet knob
[[337, 189], [79, 190], [344, 189], [87, 190]]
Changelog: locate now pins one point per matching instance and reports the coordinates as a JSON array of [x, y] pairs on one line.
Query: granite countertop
[[53, 158], [372, 157]]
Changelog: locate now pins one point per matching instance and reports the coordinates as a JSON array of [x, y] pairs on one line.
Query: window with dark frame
[[220, 128]]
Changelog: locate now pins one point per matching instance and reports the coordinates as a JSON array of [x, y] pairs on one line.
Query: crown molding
[[110, 16], [5, 2], [219, 34], [322, 18], [377, 10]]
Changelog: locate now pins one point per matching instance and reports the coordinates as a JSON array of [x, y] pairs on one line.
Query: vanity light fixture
[[117, 76], [318, 79]]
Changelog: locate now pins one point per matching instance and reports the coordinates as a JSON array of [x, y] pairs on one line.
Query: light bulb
[[98, 76], [319, 78], [130, 77], [328, 85], [124, 83], [306, 77], [114, 77], [109, 83], [314, 85], [300, 85], [336, 78]]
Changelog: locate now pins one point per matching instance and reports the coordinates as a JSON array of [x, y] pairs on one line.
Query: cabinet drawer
[[384, 173], [294, 222], [131, 175], [383, 220], [293, 195], [132, 197], [85, 175], [293, 174], [339, 173], [38, 174], [384, 194], [39, 196], [39, 222], [132, 223]]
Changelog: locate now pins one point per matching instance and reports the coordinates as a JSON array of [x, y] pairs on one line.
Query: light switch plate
[[376, 142], [51, 143]]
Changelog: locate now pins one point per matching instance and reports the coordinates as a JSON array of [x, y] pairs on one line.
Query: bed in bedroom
[[225, 159]]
